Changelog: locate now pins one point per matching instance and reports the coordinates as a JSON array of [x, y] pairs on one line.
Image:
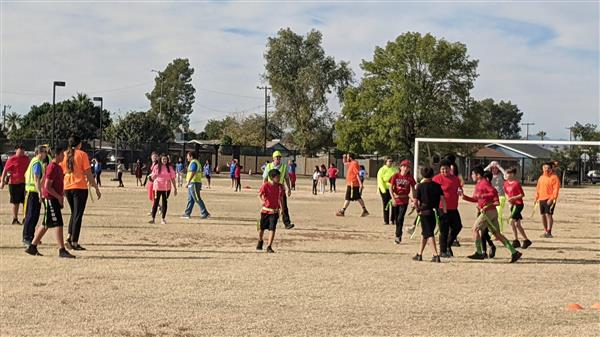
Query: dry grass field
[[330, 276]]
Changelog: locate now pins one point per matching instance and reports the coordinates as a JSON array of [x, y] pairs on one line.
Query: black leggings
[[450, 226], [385, 198], [238, 184], [98, 182], [77, 200], [332, 184], [314, 190], [120, 178], [399, 211], [486, 239], [164, 195]]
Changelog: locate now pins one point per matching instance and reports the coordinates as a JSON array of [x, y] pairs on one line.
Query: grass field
[[330, 276]]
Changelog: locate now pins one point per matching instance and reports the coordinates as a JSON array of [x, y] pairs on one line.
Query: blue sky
[[541, 56]]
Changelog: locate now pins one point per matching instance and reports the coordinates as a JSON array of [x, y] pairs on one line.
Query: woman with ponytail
[[78, 176]]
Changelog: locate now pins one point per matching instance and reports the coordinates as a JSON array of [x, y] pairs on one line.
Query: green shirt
[[383, 177]]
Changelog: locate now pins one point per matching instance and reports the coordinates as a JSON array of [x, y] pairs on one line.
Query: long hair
[[74, 141], [167, 165]]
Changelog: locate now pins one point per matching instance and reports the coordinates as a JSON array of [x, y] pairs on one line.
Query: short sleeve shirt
[[401, 185], [272, 193], [513, 188], [54, 173], [76, 180], [429, 195], [352, 174]]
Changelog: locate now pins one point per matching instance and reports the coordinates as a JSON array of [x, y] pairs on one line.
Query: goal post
[[491, 141]]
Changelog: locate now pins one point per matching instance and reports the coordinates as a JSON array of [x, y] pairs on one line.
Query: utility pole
[[570, 128], [4, 116], [267, 100], [527, 126]]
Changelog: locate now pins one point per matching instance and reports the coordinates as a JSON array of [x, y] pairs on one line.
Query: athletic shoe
[[32, 250], [526, 244], [26, 243], [289, 225], [163, 222], [69, 245], [386, 223], [16, 222], [456, 243], [339, 213], [205, 216], [476, 256], [364, 213], [492, 252], [417, 258], [449, 252], [270, 250], [79, 247], [515, 257], [151, 221], [550, 235], [397, 240], [516, 244], [65, 253], [187, 217], [446, 255], [485, 256], [546, 235], [436, 259], [259, 245]]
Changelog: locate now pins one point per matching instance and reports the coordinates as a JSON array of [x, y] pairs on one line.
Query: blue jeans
[[193, 198]]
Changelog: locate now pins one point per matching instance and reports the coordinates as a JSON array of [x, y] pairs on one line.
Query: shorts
[[515, 212], [352, 193], [484, 219], [17, 193], [53, 217], [427, 225], [268, 221], [545, 208]]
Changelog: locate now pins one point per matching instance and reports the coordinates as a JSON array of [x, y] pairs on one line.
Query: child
[[486, 197], [362, 173], [315, 179], [163, 177], [450, 223], [207, 172], [332, 173], [323, 178], [238, 177], [179, 170], [429, 195], [53, 195], [402, 191], [271, 195], [515, 194], [120, 170], [138, 173]]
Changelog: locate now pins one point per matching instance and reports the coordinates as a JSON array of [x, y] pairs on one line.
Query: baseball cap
[[276, 154], [405, 162]]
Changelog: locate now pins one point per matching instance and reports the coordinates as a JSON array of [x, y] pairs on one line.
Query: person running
[[402, 193], [486, 197], [33, 186], [354, 185], [546, 194], [315, 180], [232, 165], [429, 196], [193, 181], [207, 172], [384, 175], [120, 170], [138, 173], [163, 177], [292, 173], [271, 195], [450, 222], [53, 197], [78, 176], [515, 194], [498, 178], [97, 172], [323, 178], [332, 173], [14, 175], [277, 164], [238, 177], [179, 169]]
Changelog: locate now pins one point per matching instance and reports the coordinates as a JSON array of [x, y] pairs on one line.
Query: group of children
[[323, 175]]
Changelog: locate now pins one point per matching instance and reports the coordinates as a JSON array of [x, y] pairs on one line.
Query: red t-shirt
[[272, 193], [485, 194], [352, 175], [450, 186], [55, 173], [332, 172], [17, 165], [513, 188], [237, 172], [400, 185]]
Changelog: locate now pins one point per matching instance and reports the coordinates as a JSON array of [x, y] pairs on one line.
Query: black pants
[[332, 184], [399, 211], [450, 226], [285, 211], [486, 239], [32, 215], [385, 198], [314, 190], [238, 184], [120, 179], [164, 195], [77, 200], [98, 182]]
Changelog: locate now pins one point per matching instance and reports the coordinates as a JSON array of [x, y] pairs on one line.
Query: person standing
[[384, 175], [97, 172], [238, 177], [450, 222], [546, 194], [163, 177], [271, 195], [207, 172], [402, 193], [193, 181], [138, 173], [232, 165], [33, 186], [179, 169], [515, 194], [292, 173], [498, 178], [315, 179], [429, 196], [332, 173], [277, 164], [78, 176], [354, 185], [323, 178], [120, 169], [14, 170]]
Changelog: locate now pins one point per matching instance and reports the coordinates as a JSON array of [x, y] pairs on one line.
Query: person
[[193, 181], [232, 166], [97, 172], [53, 198], [179, 169], [384, 175], [546, 194], [450, 222], [486, 197], [515, 194], [14, 175], [120, 169], [271, 195], [401, 193], [455, 172], [238, 177], [323, 178], [486, 239], [362, 174], [138, 173], [332, 173], [33, 187], [207, 172], [292, 173], [498, 178], [429, 196], [148, 181], [315, 180], [264, 166], [353, 185], [278, 164], [163, 177], [78, 176]]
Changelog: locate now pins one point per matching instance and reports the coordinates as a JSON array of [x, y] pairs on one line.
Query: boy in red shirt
[[271, 195], [450, 223], [14, 170], [515, 195], [402, 190]]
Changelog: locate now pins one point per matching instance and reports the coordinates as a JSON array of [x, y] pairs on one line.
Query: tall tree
[[139, 127], [542, 134], [302, 77], [172, 98], [501, 120], [587, 132]]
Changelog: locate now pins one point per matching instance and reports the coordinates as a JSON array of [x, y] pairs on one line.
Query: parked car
[[594, 176]]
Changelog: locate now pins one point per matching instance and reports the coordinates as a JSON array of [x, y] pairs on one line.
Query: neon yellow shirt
[[384, 175]]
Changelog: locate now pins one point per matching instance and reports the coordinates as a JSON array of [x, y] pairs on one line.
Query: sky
[[542, 56]]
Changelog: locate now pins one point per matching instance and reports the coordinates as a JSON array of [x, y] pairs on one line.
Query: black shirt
[[429, 194]]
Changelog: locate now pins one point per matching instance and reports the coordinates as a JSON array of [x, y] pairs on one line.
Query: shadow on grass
[[558, 261], [100, 257]]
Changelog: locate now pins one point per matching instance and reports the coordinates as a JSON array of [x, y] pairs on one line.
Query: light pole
[[54, 85], [101, 100], [161, 90], [4, 116], [267, 100], [527, 126]]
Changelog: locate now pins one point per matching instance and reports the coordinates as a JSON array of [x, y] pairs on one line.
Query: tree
[[172, 98], [13, 122], [541, 134], [416, 86], [501, 120], [139, 127], [301, 77], [587, 132]]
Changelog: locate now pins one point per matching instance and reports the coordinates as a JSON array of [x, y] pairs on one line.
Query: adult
[[78, 176], [33, 186], [277, 164], [546, 194], [207, 172], [14, 170], [498, 178], [384, 175], [292, 172], [332, 173], [354, 185], [193, 181], [402, 193], [450, 222]]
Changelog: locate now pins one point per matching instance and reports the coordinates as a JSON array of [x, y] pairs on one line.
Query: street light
[[54, 85], [161, 90], [101, 100]]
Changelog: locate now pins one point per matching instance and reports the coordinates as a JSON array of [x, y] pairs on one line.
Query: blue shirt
[[179, 167], [362, 173], [232, 169], [292, 168], [37, 169], [193, 167], [98, 168], [207, 169]]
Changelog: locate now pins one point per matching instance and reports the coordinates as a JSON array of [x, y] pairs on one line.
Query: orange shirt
[[547, 187], [76, 180], [352, 174]]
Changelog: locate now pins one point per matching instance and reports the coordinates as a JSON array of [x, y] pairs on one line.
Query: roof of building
[[486, 152], [522, 150]]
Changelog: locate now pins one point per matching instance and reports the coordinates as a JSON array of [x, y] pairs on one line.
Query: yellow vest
[[29, 178], [196, 178], [282, 169]]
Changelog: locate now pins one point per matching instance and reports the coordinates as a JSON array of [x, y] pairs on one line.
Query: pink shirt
[[161, 181]]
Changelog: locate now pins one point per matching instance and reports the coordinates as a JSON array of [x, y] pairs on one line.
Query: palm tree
[[541, 134], [13, 122]]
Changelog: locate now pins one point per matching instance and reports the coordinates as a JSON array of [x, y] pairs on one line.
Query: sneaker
[[526, 244], [151, 221], [446, 255], [340, 212], [69, 245], [32, 250], [476, 256], [550, 235], [516, 244], [492, 252], [163, 222], [417, 258], [205, 216], [259, 245], [16, 222], [546, 235], [289, 225], [187, 217], [26, 243], [397, 240], [449, 252], [270, 250], [79, 247], [65, 253], [515, 257], [456, 243], [485, 256], [364, 213], [436, 259]]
